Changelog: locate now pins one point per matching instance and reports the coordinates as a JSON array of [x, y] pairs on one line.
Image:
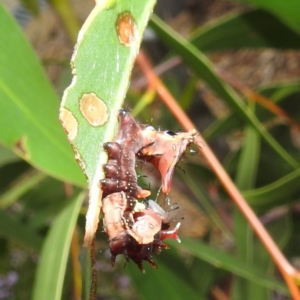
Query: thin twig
[[76, 265], [289, 273]]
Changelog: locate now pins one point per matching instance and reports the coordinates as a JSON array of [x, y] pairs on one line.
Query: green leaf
[[87, 274], [51, 269], [29, 108], [280, 231], [245, 179], [249, 158], [287, 10], [205, 70], [230, 263], [252, 29], [102, 67], [280, 189], [277, 92], [102, 62], [280, 90], [186, 98]]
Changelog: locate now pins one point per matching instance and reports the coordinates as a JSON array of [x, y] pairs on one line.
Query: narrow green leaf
[[143, 102], [280, 90], [86, 267], [18, 232], [287, 10], [280, 189], [229, 122], [204, 69], [245, 179], [251, 29], [107, 46], [248, 162], [51, 269], [102, 66], [29, 108], [230, 263], [280, 231], [188, 93]]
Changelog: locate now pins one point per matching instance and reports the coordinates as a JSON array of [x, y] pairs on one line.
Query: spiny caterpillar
[[136, 229]]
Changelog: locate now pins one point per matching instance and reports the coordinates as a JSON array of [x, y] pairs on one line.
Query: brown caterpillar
[[133, 229], [163, 149], [120, 168]]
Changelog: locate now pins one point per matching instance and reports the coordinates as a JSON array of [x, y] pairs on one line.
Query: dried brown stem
[[76, 265], [289, 273]]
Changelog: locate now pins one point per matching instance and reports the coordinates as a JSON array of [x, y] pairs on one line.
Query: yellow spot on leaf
[[80, 162], [126, 29], [69, 122], [93, 109]]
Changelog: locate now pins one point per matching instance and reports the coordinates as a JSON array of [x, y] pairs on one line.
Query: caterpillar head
[[164, 149]]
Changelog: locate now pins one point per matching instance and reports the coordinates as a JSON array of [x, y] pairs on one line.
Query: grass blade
[[230, 263], [51, 270]]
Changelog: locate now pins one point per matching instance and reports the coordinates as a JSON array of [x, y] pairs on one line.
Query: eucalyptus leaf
[[29, 108], [107, 46], [251, 29], [286, 10], [54, 256]]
